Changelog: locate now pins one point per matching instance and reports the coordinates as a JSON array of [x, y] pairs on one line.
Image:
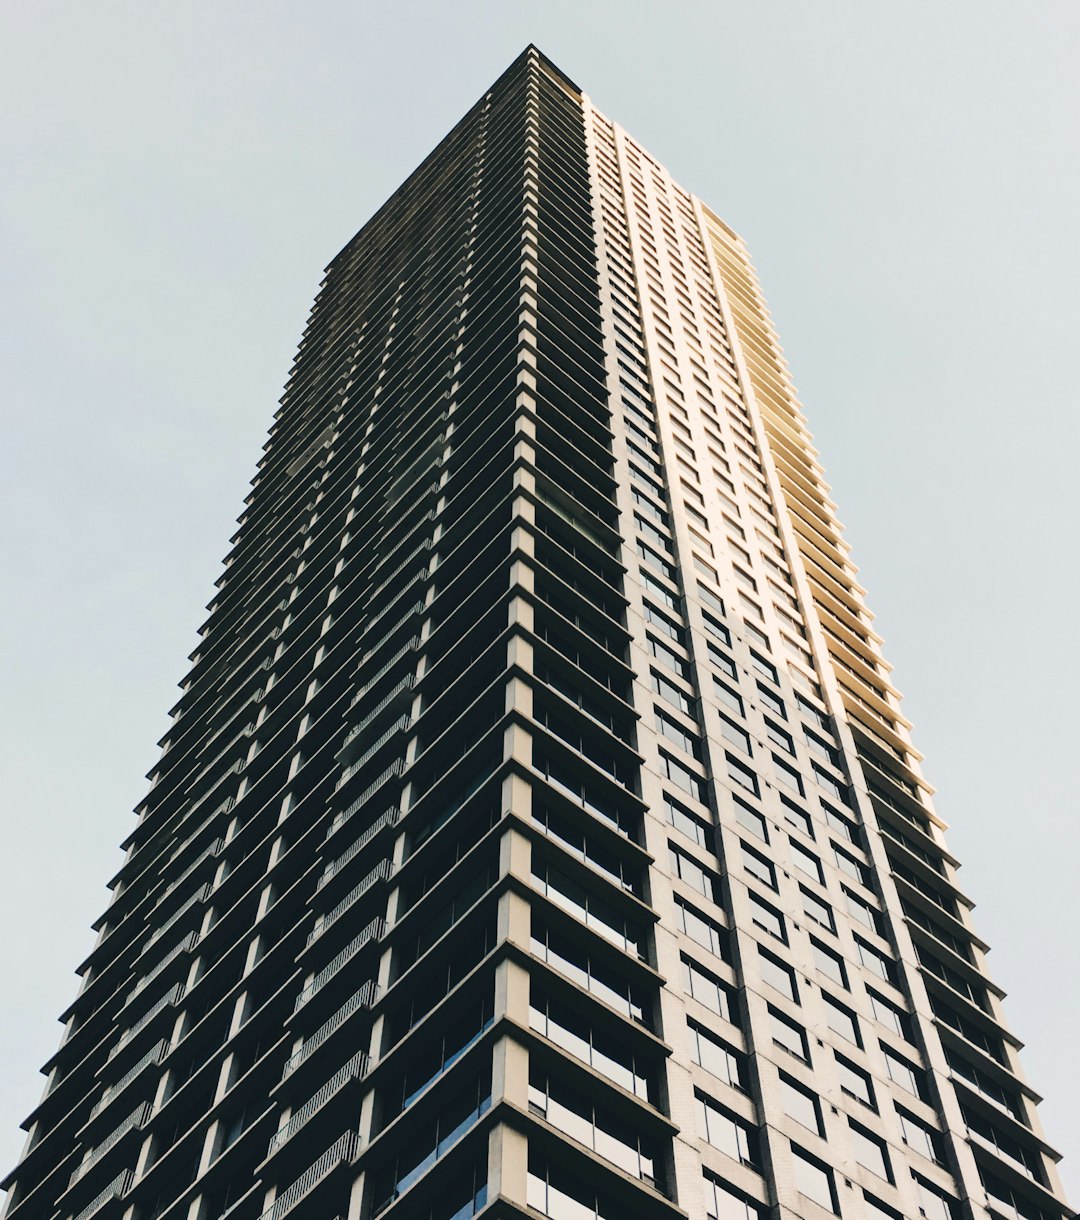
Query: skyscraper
[[538, 832]]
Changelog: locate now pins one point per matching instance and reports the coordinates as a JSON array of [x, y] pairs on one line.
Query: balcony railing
[[372, 932], [135, 1119], [389, 818], [355, 1069], [343, 1149], [364, 998], [117, 1187], [113, 1090], [379, 873]]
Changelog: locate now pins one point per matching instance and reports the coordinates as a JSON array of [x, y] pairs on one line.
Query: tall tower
[[538, 832]]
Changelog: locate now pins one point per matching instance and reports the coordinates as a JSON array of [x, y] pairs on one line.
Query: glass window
[[766, 668], [870, 1152], [675, 695], [849, 865], [757, 866], [796, 816], [934, 1204], [919, 1135], [888, 1014], [725, 1131], [829, 963], [841, 1020], [806, 862], [909, 1078], [693, 873], [814, 1180], [787, 776], [750, 820], [767, 918], [675, 733], [777, 975], [867, 915], [740, 774], [706, 988], [855, 1082], [772, 701], [877, 963], [737, 736], [683, 778], [722, 1202], [726, 695], [707, 932], [716, 1057], [685, 822], [779, 737], [801, 1105], [788, 1035], [816, 910]]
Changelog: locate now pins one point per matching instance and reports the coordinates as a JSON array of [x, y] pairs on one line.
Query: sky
[[176, 176]]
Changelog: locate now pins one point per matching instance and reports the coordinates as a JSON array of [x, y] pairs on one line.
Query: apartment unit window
[[683, 778], [855, 1082], [740, 774], [787, 1035], [767, 918], [889, 1015], [816, 910], [806, 862], [694, 874], [724, 1131], [796, 816], [801, 1105], [814, 1180], [841, 1020], [773, 702], [707, 932], [675, 695], [675, 733], [934, 1204], [733, 733], [877, 963], [829, 963], [716, 1057], [870, 1151], [722, 1202], [565, 1026], [751, 820], [868, 916], [918, 1135], [757, 866], [706, 988], [686, 822], [777, 975], [904, 1074], [726, 695], [787, 775]]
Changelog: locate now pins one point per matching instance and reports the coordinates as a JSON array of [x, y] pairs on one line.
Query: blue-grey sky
[[175, 176]]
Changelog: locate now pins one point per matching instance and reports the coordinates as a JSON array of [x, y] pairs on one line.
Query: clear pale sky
[[175, 176]]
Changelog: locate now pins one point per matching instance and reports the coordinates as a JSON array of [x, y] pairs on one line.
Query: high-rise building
[[538, 832]]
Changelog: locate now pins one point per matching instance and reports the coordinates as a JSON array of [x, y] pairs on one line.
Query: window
[[694, 874], [877, 963], [801, 1105], [757, 866], [685, 822], [578, 1116], [841, 1020], [683, 778], [811, 713], [554, 1192], [772, 702], [814, 1180], [867, 915], [675, 733], [849, 865], [737, 736], [664, 624], [876, 1210], [562, 1024], [888, 1014], [787, 775], [796, 816], [904, 1074], [666, 657], [919, 1135], [750, 820], [716, 1057], [822, 748], [806, 862], [765, 668], [714, 627], [727, 696], [595, 975], [779, 737], [724, 1131], [816, 910], [767, 918], [742, 775], [723, 1202], [870, 1151], [707, 989], [675, 695], [721, 660], [787, 1035], [855, 1082], [777, 975], [934, 1204], [707, 932], [829, 963], [830, 785], [587, 907]]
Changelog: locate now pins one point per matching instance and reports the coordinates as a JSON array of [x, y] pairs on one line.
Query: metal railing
[[372, 932], [135, 1119], [113, 1090], [170, 997], [117, 1187], [379, 873], [389, 818], [364, 998], [343, 1149], [355, 1069]]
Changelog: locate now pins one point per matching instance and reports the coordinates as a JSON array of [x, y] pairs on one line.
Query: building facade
[[538, 832]]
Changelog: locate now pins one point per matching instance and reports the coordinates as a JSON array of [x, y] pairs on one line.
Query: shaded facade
[[538, 832]]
